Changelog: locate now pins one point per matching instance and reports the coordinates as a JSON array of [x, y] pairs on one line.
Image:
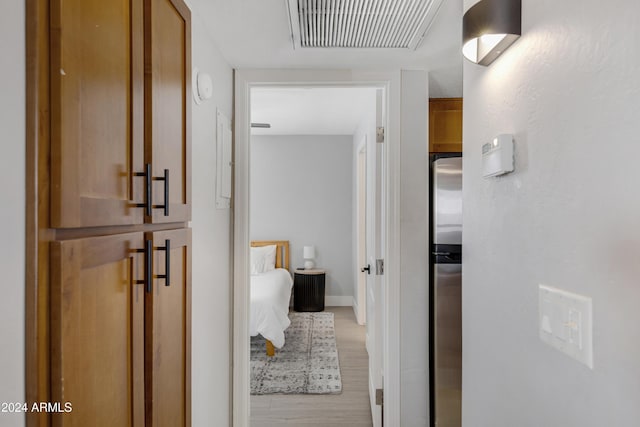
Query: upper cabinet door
[[168, 108], [445, 125], [97, 112]]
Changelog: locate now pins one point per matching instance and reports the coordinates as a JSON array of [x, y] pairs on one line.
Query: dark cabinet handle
[[148, 265], [147, 205], [366, 269], [167, 260], [164, 178], [148, 191]]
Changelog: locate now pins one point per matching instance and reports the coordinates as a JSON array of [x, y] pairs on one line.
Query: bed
[[270, 292]]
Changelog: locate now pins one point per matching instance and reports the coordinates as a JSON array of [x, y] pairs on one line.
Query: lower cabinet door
[[97, 331], [168, 331]]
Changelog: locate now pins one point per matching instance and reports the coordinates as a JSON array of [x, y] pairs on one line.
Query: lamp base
[[309, 264]]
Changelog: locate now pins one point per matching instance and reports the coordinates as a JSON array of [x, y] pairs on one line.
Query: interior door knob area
[[367, 269]]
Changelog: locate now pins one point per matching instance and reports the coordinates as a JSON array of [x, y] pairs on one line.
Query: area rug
[[306, 364]]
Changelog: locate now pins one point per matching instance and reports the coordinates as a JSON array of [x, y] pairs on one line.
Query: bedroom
[[303, 186]]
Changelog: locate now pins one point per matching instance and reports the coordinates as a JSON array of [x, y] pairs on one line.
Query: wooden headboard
[[282, 251]]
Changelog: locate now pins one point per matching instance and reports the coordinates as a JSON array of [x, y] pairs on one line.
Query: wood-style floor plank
[[351, 408]]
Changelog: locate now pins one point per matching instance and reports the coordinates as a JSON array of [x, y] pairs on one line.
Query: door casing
[[390, 83]]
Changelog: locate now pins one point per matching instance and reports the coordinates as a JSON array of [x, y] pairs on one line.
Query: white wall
[[414, 238], [12, 208], [211, 281], [569, 216], [301, 191]]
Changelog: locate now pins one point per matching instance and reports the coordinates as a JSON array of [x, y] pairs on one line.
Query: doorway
[[245, 81]]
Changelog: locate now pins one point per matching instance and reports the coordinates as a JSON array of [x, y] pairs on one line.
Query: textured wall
[[567, 217]]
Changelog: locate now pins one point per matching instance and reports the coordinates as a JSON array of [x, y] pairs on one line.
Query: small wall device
[[497, 156], [202, 86]]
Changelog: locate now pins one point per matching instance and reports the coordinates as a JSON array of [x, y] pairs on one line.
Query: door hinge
[[379, 267], [380, 134], [379, 397]]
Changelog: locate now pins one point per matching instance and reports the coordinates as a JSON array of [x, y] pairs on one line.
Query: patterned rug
[[306, 364]]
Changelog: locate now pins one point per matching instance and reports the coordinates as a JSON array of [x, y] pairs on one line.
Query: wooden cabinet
[[97, 330], [111, 117], [108, 205], [96, 112], [120, 337], [168, 106], [445, 125], [168, 331]]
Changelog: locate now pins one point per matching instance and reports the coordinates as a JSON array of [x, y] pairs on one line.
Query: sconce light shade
[[489, 27]]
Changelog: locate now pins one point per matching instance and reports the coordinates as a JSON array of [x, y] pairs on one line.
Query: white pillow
[[262, 259], [270, 258]]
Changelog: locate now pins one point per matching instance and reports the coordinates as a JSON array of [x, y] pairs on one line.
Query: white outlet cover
[[565, 322]]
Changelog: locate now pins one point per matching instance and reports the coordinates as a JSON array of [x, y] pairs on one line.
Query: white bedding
[[270, 294]]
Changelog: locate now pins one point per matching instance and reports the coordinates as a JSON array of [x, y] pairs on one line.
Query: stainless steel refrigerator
[[446, 290]]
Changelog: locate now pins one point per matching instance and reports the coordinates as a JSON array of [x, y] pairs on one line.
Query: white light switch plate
[[565, 322]]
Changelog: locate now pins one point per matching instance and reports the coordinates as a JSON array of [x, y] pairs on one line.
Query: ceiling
[[256, 34], [310, 111]]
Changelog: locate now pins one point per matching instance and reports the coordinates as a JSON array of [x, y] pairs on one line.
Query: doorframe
[[245, 80], [361, 231]]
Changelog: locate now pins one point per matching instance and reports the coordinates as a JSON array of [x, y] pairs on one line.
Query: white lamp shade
[[309, 252]]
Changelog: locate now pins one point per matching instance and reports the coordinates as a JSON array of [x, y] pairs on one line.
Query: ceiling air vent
[[394, 24]]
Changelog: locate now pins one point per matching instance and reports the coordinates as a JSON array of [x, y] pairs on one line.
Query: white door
[[375, 250], [361, 225]]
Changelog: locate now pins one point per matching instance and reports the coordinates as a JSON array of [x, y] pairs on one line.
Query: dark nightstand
[[308, 290]]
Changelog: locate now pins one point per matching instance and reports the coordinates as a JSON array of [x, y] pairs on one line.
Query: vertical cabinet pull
[[167, 262], [147, 205], [164, 178], [148, 264], [148, 191]]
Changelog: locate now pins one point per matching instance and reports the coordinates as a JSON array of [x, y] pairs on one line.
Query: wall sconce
[[489, 27]]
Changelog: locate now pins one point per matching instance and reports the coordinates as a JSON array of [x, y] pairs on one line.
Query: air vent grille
[[399, 24]]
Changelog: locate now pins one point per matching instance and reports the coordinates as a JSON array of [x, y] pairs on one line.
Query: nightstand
[[308, 290]]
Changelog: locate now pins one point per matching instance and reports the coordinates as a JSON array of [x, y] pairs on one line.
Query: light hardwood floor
[[351, 408]]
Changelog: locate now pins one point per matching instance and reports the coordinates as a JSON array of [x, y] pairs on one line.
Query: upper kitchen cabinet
[[445, 125], [96, 78], [120, 112], [168, 108]]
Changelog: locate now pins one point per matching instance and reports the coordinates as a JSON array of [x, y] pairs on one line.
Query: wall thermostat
[[497, 156]]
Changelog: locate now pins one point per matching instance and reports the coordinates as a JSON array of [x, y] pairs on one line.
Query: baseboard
[[338, 301]]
